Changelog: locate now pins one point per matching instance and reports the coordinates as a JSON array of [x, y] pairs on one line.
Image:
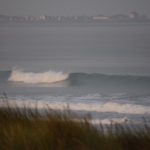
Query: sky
[[73, 7]]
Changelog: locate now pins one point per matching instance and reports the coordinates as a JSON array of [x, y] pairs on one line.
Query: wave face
[[108, 80], [4, 75], [30, 77]]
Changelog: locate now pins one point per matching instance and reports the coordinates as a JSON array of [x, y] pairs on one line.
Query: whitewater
[[30, 77]]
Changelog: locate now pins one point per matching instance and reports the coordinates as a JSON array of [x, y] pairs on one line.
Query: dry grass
[[28, 129]]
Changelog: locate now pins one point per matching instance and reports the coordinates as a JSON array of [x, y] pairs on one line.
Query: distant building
[[42, 18], [133, 15], [100, 17], [119, 17]]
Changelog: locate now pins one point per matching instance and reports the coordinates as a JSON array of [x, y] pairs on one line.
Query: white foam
[[44, 77], [111, 121], [104, 107]]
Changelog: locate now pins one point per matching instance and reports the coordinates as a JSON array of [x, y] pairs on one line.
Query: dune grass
[[28, 129]]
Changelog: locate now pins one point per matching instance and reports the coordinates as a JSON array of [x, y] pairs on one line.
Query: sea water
[[100, 69]]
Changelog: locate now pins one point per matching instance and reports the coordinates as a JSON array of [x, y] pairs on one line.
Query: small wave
[[30, 77], [107, 107], [110, 121]]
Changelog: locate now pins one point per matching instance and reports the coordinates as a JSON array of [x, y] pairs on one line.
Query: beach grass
[[29, 129]]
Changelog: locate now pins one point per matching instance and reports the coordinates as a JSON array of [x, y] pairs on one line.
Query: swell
[[109, 80], [74, 79]]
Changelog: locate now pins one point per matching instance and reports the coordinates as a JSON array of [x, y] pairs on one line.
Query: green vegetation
[[28, 129]]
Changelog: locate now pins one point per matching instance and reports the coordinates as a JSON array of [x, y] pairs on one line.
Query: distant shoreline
[[82, 24]]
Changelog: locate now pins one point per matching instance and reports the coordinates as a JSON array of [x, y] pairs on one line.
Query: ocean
[[102, 70]]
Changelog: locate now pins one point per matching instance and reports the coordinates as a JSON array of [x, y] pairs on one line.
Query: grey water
[[106, 68]]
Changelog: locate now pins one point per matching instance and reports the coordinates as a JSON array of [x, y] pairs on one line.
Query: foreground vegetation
[[27, 129]]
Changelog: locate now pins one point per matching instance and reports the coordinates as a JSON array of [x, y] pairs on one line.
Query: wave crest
[[30, 77]]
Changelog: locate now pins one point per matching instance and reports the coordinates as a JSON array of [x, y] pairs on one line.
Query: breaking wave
[[76, 79], [30, 77]]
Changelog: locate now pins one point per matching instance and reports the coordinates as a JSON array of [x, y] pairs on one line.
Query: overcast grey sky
[[73, 7]]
